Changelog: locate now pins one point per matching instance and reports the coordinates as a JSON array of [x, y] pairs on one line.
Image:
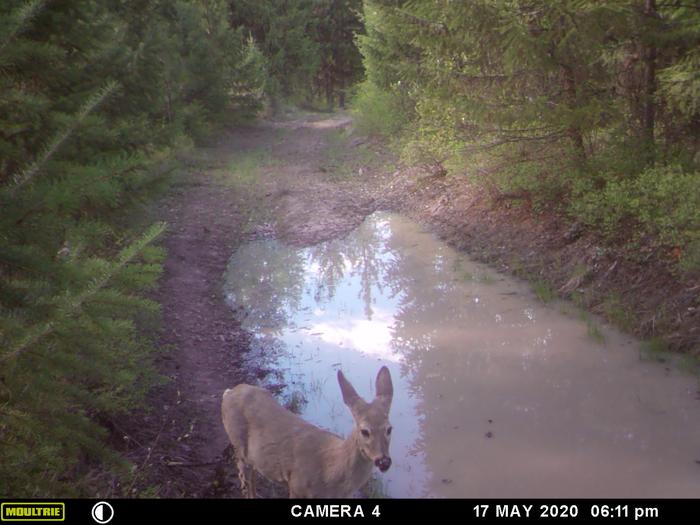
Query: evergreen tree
[[589, 105], [92, 95], [337, 24], [309, 45], [284, 31]]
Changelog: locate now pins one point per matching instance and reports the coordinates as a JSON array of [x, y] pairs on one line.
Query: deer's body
[[311, 461]]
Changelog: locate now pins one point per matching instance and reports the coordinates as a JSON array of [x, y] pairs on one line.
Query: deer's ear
[[350, 396], [385, 388]]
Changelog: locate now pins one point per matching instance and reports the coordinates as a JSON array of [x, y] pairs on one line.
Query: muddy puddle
[[496, 394]]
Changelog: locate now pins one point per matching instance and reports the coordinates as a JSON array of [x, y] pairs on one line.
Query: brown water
[[496, 394]]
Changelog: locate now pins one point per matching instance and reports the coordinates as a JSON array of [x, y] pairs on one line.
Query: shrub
[[662, 201], [377, 112]]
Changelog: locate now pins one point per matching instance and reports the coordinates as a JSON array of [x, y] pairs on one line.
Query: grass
[[341, 159], [280, 135], [485, 278], [580, 270], [543, 290], [616, 311], [690, 363], [516, 266], [244, 170], [461, 273], [594, 332], [150, 492], [334, 158], [243, 174], [655, 349], [567, 309], [316, 387], [465, 275]]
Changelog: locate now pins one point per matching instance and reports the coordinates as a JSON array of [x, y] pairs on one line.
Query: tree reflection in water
[[487, 379]]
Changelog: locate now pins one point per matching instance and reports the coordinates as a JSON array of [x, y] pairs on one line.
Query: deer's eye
[[388, 431], [365, 432]]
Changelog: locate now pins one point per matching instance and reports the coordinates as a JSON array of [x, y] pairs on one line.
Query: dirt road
[[303, 180], [309, 178]]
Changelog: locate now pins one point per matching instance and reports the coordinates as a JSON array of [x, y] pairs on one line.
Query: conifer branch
[[24, 176], [437, 28], [69, 305], [22, 16]]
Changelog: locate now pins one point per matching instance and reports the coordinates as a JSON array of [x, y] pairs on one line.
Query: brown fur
[[311, 461]]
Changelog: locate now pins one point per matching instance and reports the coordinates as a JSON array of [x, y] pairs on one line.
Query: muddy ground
[[308, 178], [304, 180]]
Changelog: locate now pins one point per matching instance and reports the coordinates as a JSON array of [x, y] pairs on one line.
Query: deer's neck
[[352, 468]]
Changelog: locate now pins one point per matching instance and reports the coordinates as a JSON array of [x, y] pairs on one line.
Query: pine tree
[[308, 46], [585, 106], [70, 348], [92, 95], [337, 24], [283, 30]]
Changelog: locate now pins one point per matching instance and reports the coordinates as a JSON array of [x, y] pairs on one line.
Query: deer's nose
[[383, 463]]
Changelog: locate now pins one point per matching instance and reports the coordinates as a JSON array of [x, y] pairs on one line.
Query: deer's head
[[371, 419]]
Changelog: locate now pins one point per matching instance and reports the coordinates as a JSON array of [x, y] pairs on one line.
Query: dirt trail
[[308, 179], [293, 179]]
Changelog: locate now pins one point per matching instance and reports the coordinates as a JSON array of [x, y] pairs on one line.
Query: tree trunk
[[341, 93], [649, 89], [574, 131], [329, 90]]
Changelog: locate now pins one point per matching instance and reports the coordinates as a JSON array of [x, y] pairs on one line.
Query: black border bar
[[205, 511]]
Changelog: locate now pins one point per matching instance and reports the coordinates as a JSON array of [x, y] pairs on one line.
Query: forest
[[582, 113]]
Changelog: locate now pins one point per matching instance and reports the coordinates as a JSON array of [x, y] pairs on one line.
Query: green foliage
[[679, 79], [680, 85], [343, 158], [308, 46], [340, 65], [593, 331], [195, 71], [284, 31], [543, 290], [618, 312], [655, 349], [584, 107], [377, 112], [690, 257], [243, 173], [662, 201], [435, 138], [93, 96]]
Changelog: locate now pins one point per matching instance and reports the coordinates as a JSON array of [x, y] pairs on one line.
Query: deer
[[312, 462]]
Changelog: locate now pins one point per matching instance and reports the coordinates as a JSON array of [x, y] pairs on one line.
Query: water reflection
[[495, 395]]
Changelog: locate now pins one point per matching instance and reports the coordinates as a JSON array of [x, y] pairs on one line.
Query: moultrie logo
[[32, 511]]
